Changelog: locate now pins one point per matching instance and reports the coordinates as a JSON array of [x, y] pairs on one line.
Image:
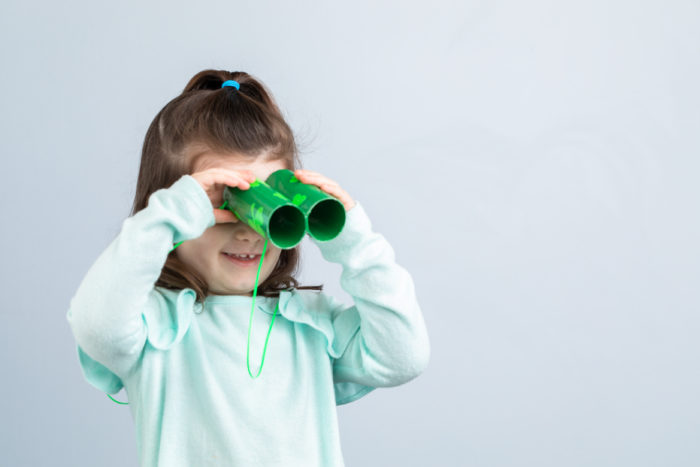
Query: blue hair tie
[[231, 83]]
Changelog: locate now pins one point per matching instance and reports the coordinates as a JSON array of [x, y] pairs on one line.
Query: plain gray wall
[[534, 165]]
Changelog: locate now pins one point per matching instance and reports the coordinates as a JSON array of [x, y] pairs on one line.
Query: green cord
[[250, 322], [123, 403]]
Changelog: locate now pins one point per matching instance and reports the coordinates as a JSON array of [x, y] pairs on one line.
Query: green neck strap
[[250, 322]]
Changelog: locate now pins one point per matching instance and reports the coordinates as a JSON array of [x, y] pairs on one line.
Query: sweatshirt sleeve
[[105, 314], [391, 345]]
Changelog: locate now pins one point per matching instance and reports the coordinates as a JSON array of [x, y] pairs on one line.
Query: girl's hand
[[327, 185], [213, 182]]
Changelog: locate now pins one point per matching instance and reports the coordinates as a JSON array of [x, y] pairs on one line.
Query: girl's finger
[[234, 181], [244, 173], [239, 183], [307, 173], [224, 215], [226, 177], [317, 179], [327, 185]]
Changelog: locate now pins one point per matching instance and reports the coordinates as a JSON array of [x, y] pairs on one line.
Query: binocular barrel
[[283, 209]]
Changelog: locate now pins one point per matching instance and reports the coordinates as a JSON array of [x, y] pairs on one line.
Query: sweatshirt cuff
[[193, 204]]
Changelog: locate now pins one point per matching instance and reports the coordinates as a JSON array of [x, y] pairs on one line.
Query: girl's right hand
[[213, 182]]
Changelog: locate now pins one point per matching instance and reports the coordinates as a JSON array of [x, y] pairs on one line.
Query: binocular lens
[[326, 220], [287, 226]]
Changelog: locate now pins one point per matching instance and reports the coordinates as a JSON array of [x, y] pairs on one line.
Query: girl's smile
[[244, 261]]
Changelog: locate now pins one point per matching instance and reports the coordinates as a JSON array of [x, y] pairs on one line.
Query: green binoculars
[[283, 209]]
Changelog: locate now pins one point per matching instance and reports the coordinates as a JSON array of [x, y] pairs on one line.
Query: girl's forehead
[[260, 167]]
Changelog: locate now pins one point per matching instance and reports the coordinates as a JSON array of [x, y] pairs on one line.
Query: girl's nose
[[245, 232]]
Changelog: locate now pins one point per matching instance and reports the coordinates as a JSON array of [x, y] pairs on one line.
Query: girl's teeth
[[242, 256]]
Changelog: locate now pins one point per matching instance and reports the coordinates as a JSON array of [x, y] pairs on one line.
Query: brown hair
[[246, 121]]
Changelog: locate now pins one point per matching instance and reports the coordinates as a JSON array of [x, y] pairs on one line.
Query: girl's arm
[[391, 346], [105, 313]]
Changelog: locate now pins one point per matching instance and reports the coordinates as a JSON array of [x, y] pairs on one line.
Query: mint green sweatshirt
[[182, 363]]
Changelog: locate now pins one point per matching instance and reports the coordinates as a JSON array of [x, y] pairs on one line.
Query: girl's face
[[205, 254]]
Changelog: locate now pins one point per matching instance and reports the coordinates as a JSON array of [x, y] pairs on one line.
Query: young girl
[[168, 312]]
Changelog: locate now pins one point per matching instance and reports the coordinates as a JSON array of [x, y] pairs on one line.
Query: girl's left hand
[[327, 185]]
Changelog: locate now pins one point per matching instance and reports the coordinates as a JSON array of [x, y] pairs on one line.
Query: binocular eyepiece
[[283, 209]]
